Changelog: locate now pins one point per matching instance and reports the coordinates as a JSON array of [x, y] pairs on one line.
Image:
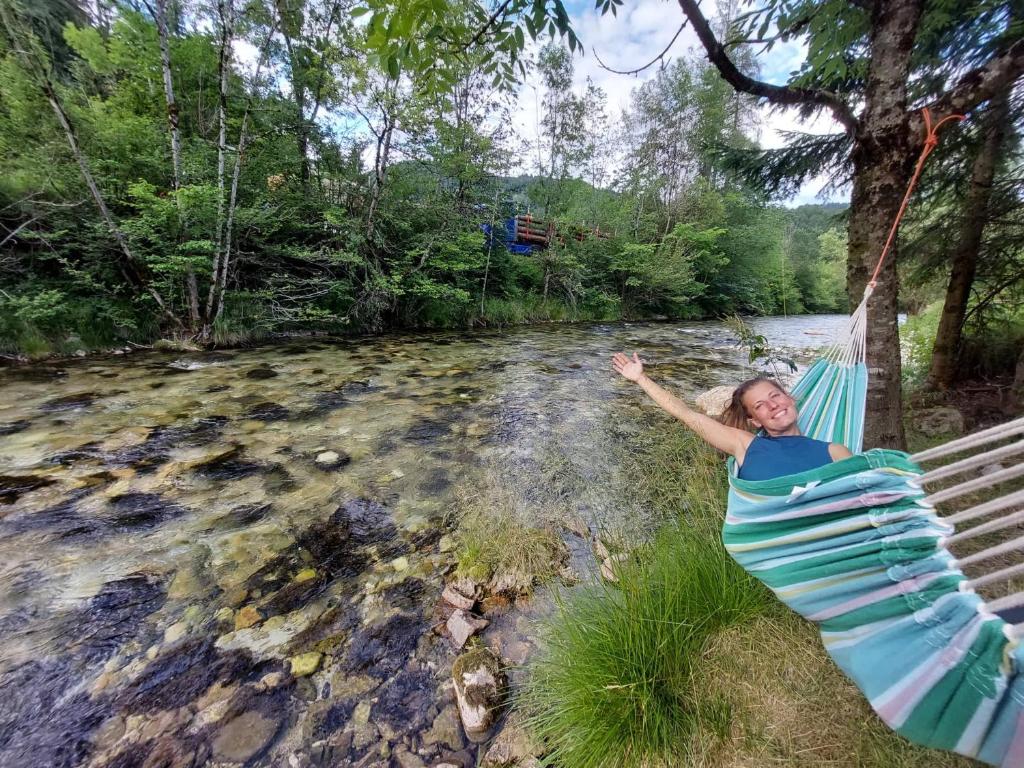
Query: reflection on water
[[175, 528]]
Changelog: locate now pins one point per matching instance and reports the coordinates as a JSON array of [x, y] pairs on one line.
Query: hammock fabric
[[856, 547], [852, 547]]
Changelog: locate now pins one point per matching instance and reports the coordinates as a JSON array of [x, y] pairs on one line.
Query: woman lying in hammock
[[778, 449]]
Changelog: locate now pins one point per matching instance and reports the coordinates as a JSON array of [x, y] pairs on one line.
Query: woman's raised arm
[[728, 439]]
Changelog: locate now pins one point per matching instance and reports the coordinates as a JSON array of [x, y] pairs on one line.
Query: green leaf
[[355, 13], [394, 67]]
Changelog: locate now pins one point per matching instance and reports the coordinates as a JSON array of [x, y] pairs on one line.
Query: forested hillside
[[221, 171]]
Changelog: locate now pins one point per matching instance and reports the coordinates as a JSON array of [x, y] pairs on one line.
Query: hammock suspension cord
[[852, 345]]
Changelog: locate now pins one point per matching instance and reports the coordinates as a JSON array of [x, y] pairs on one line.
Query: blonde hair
[[735, 413]]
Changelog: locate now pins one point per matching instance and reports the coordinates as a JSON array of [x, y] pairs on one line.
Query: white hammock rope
[[1010, 601], [1001, 575], [993, 525], [978, 483], [998, 549], [851, 346], [1006, 510], [999, 432], [972, 462], [986, 508]]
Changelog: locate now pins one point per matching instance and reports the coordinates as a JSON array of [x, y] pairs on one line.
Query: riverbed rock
[[512, 582], [935, 422], [247, 617], [610, 566], [462, 626], [715, 401], [479, 689], [446, 729], [328, 460], [452, 596], [305, 663], [244, 737], [512, 746], [175, 632]]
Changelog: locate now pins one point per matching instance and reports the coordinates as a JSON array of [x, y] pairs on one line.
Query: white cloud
[[635, 37]]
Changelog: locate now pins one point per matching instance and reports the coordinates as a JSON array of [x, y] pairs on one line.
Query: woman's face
[[769, 408]]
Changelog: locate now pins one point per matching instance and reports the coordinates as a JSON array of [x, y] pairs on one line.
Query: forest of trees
[[217, 170]]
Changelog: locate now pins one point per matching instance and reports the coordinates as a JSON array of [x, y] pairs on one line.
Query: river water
[[174, 527]]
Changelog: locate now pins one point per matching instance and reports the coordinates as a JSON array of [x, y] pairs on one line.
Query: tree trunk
[[225, 12], [160, 15], [1018, 378], [883, 159], [965, 254], [380, 167]]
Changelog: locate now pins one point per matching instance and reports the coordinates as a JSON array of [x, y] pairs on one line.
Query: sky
[[640, 31]]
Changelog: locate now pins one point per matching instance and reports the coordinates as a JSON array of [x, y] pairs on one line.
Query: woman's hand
[[629, 369]]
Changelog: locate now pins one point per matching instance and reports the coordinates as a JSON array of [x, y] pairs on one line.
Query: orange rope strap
[[930, 142]]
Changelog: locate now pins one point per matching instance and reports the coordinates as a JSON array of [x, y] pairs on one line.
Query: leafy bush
[[917, 339]]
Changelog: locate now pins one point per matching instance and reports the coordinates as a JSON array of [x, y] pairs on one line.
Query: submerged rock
[[268, 411], [142, 510], [382, 649], [328, 460], [479, 690], [446, 729], [247, 617], [178, 676], [305, 663], [13, 427], [261, 373], [13, 487], [245, 737], [513, 745], [404, 704], [462, 626], [69, 402]]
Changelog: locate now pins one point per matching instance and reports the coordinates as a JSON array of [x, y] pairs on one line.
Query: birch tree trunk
[[382, 156], [225, 13], [160, 16], [243, 142]]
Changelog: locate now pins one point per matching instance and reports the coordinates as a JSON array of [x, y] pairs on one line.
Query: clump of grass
[[619, 679], [678, 476], [499, 533]]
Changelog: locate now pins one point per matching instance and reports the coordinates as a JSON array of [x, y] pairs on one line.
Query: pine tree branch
[[783, 95], [980, 84]]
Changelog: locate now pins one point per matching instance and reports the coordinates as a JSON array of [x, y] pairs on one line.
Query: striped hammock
[[859, 547]]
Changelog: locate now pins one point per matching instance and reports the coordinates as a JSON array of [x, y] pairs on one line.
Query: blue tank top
[[769, 457]]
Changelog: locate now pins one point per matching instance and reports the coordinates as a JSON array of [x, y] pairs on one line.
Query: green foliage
[[304, 254], [759, 350], [917, 337]]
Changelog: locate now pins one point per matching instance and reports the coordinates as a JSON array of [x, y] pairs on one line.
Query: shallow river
[[175, 527]]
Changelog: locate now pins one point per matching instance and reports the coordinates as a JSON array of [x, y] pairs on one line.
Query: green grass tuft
[[618, 679], [500, 532]]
